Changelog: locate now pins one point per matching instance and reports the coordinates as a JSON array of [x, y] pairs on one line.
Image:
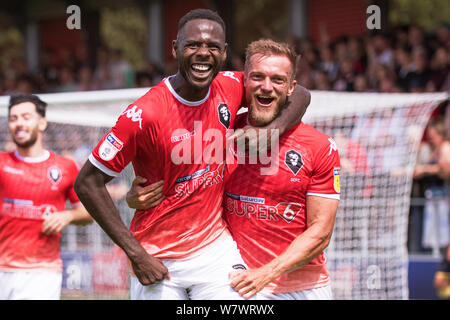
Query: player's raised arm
[[90, 187]]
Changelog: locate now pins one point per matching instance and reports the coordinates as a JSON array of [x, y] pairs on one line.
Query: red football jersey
[[31, 188], [182, 142], [266, 212]]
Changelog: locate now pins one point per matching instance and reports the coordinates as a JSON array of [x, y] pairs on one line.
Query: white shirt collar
[[42, 158], [181, 99]]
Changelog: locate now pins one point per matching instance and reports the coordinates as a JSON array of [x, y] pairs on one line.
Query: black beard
[[27, 144]]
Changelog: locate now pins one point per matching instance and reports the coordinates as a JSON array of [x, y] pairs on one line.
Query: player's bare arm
[[292, 112], [320, 221], [90, 187], [54, 223]]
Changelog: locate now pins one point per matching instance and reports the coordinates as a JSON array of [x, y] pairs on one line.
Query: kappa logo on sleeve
[[333, 145], [135, 114], [110, 146], [231, 75]]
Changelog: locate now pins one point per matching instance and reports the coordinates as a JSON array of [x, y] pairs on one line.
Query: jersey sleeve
[[119, 146], [232, 83], [326, 172]]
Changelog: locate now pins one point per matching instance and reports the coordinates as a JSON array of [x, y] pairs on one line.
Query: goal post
[[377, 135]]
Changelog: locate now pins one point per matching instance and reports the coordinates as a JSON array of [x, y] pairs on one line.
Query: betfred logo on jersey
[[110, 146]]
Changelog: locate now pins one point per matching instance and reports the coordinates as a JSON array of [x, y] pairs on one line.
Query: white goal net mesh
[[377, 135]]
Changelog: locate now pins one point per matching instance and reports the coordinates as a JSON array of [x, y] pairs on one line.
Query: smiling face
[[268, 81], [200, 49], [25, 124]]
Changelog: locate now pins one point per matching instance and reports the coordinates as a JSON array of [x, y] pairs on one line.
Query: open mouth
[[201, 68], [264, 100], [21, 134]]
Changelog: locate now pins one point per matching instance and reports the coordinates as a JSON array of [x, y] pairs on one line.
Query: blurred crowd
[[407, 59], [404, 60], [66, 71]]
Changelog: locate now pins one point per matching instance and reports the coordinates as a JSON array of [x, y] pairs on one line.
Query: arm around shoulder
[[292, 113]]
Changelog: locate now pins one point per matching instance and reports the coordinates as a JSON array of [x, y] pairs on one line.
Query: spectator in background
[[434, 173], [357, 54], [155, 71], [416, 38], [321, 80], [439, 69], [149, 76], [66, 80], [9, 84], [340, 50], [441, 279], [48, 69], [401, 36], [328, 64], [84, 79], [346, 76], [120, 71], [382, 50], [420, 72], [384, 79], [443, 36], [143, 79], [360, 83], [403, 66], [102, 76], [25, 84], [304, 75]]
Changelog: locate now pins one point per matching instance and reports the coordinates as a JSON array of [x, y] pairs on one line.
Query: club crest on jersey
[[224, 114], [54, 174], [110, 146], [336, 175], [294, 161]]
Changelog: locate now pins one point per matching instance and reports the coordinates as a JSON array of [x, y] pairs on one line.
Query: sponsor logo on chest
[[13, 170]]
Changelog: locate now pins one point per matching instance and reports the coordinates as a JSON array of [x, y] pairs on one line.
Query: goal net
[[377, 135]]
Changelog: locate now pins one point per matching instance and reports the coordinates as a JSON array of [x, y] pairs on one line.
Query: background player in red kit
[[34, 187], [281, 220], [175, 132]]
